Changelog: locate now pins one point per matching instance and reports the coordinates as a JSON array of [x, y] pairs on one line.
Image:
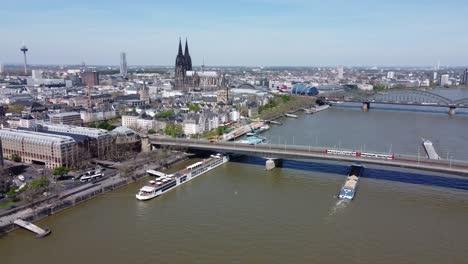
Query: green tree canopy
[[15, 108], [174, 130], [38, 183], [194, 107], [15, 157], [165, 114], [105, 125], [59, 171]]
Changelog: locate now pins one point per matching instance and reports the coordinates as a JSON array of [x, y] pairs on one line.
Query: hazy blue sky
[[237, 32]]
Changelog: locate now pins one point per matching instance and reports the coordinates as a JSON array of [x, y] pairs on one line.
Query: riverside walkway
[[274, 151]]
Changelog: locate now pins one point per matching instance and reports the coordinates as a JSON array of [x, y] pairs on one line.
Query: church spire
[[188, 60], [186, 48], [180, 48]]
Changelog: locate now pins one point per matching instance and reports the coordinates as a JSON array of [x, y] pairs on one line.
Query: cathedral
[[186, 79]]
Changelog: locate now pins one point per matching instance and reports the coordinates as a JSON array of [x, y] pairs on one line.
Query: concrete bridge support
[[365, 106], [273, 163], [145, 144], [452, 110]]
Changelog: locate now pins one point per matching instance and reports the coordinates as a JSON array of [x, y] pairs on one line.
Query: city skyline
[[246, 33]]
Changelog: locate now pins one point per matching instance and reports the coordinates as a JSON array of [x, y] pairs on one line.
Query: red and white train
[[359, 154]]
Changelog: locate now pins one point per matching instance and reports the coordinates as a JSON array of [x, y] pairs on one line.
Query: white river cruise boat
[[165, 183]]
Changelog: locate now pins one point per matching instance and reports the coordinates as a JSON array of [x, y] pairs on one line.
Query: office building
[[67, 118], [90, 78], [1, 68], [39, 148], [390, 75], [37, 74], [100, 139], [340, 72], [464, 77], [123, 65], [444, 80]]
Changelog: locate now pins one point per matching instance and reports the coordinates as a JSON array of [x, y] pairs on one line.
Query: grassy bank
[[284, 103]]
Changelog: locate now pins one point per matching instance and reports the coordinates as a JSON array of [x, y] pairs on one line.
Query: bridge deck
[[304, 152]]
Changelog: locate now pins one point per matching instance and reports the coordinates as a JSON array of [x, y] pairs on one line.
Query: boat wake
[[337, 208]]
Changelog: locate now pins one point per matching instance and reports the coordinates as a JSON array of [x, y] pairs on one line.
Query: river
[[240, 213]]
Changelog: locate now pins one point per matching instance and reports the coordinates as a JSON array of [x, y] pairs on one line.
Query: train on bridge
[[359, 154]]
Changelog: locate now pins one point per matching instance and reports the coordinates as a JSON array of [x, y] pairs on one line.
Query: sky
[[237, 32]]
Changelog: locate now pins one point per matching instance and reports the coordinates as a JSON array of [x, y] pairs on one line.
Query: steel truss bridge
[[414, 97]]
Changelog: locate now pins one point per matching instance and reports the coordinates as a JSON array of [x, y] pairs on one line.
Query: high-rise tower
[[340, 71], [123, 65], [464, 78], [24, 49]]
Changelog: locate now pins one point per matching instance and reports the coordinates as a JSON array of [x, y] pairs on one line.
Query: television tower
[[24, 49]]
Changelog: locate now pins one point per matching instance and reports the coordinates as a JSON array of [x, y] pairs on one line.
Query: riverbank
[[283, 104], [59, 202]]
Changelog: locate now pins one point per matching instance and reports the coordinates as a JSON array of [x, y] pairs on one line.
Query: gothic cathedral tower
[[180, 69]]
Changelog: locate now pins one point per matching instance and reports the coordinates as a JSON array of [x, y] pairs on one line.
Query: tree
[[151, 131], [39, 183], [92, 125], [15, 108], [174, 130], [15, 157], [194, 107], [77, 122], [165, 114], [35, 188], [105, 125], [379, 87], [60, 171]]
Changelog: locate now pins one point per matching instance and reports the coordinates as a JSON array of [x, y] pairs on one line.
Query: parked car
[[21, 178]]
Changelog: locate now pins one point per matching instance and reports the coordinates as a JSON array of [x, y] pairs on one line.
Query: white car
[[21, 178]]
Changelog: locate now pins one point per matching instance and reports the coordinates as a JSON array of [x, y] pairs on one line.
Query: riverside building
[[40, 148], [100, 140]]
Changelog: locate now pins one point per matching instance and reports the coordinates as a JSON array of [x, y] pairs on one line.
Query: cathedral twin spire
[[183, 59]]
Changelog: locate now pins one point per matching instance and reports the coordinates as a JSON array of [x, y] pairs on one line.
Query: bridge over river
[[275, 151], [412, 97]]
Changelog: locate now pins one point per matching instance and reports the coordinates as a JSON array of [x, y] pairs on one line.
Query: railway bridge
[[274, 153], [413, 97]]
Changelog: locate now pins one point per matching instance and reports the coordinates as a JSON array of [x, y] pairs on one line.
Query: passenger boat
[[263, 128], [252, 133], [291, 115], [253, 140], [166, 183], [349, 188]]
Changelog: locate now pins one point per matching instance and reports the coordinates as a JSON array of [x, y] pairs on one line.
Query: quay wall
[[58, 202]]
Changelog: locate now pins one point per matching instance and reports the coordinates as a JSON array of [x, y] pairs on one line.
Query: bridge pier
[[365, 106], [145, 144], [452, 110], [273, 163]]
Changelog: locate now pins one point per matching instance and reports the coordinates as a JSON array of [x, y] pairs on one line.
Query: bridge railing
[[287, 149]]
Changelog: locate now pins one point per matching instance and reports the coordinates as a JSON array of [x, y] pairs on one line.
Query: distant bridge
[[273, 151], [398, 97]]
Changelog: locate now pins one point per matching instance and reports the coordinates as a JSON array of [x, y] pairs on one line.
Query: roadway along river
[[239, 213]]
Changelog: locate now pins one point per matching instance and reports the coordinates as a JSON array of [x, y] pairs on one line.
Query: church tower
[[180, 68], [144, 93], [188, 60]]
